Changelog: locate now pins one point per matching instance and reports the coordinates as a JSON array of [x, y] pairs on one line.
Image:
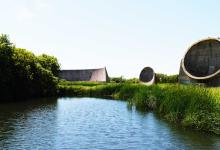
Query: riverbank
[[191, 106]]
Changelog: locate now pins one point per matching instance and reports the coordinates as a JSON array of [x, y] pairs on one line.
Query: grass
[[191, 106]]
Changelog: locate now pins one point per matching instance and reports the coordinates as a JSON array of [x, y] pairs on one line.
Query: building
[[201, 63], [93, 75], [147, 76]]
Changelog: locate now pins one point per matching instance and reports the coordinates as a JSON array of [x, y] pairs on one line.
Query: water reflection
[[88, 123], [24, 124]]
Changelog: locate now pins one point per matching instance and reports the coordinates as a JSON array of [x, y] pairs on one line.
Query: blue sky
[[123, 35]]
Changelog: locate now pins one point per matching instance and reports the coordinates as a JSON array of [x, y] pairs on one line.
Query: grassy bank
[[190, 106]]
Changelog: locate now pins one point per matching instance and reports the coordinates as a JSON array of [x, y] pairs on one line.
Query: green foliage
[[24, 75], [133, 80], [49, 63], [79, 83], [117, 80], [123, 80], [160, 78], [193, 106], [68, 88], [163, 78], [5, 40], [6, 69]]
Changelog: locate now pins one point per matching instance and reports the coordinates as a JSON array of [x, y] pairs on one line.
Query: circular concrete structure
[[147, 76], [202, 59]]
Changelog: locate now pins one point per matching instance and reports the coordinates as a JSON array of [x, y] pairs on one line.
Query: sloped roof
[[99, 75]]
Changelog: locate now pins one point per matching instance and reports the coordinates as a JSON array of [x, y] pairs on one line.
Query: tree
[[5, 40], [24, 75], [49, 63], [6, 66]]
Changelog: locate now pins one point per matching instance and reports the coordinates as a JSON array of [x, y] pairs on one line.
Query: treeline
[[123, 80], [163, 78], [160, 78], [23, 74]]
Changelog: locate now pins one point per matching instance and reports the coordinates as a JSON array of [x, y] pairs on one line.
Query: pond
[[90, 123]]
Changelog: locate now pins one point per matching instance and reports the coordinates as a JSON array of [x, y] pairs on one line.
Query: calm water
[[88, 123]]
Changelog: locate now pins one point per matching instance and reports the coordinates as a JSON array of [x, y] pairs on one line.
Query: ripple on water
[[89, 123]]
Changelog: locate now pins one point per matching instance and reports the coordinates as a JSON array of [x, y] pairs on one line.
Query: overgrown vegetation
[[23, 74], [191, 106]]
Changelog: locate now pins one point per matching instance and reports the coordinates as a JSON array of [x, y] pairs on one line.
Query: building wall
[[203, 58], [147, 76], [95, 75], [202, 63], [183, 78]]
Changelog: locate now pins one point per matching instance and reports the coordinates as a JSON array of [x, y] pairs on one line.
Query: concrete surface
[[201, 63], [94, 75], [147, 76]]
